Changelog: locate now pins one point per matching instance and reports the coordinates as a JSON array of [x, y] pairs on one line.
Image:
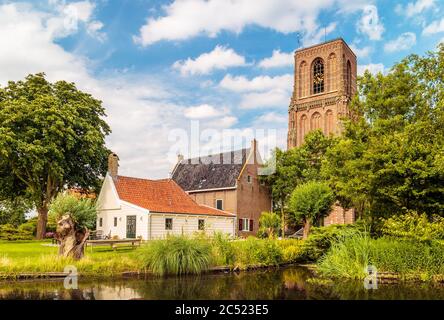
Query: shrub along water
[[350, 256], [177, 255]]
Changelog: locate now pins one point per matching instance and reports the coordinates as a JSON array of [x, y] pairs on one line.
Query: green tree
[[310, 202], [296, 166], [52, 136], [390, 160], [288, 174], [269, 224]]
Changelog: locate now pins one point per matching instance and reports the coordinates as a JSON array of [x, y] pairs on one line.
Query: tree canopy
[[52, 137]]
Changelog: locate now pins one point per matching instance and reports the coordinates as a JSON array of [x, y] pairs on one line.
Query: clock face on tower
[[318, 76]]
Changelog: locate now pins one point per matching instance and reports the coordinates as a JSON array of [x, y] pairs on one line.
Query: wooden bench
[[113, 243]]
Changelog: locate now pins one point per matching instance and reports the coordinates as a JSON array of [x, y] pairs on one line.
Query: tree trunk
[[283, 220], [42, 221], [307, 226], [72, 241]]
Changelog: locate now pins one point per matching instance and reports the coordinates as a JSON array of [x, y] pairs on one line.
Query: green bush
[[321, 239], [11, 233], [177, 255], [82, 211], [414, 226], [222, 250], [254, 251]]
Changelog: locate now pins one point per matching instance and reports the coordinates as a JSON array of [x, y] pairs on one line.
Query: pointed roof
[[163, 196]]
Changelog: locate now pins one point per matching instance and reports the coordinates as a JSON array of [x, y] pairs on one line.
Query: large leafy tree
[[52, 136], [390, 161], [310, 202]]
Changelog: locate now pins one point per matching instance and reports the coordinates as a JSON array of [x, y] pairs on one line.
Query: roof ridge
[[216, 154]]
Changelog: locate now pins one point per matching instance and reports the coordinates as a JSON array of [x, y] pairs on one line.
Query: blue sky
[[161, 66]]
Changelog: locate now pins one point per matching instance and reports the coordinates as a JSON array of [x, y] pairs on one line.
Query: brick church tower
[[324, 82]]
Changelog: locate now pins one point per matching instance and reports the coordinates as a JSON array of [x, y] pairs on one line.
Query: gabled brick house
[[227, 181]]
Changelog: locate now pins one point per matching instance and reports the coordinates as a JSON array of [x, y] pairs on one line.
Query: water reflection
[[290, 283]]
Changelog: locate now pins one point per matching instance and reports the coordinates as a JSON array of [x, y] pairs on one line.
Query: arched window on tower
[[332, 72], [303, 127], [329, 125], [349, 78], [316, 121], [302, 79], [318, 76]]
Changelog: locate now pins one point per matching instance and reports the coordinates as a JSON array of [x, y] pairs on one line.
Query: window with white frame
[[245, 224], [219, 204], [249, 179]]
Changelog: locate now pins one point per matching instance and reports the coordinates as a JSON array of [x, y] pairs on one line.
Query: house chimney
[[113, 165]]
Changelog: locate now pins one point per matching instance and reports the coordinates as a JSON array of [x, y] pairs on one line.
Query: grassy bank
[[350, 256], [176, 255]]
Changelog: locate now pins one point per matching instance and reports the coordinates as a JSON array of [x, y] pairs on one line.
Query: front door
[[131, 227]]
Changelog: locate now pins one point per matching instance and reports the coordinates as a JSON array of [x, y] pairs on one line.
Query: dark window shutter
[[251, 225], [240, 224]]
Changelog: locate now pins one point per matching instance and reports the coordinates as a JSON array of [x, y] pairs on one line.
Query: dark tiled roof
[[211, 172]]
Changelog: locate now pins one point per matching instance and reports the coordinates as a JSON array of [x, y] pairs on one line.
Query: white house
[[152, 209]]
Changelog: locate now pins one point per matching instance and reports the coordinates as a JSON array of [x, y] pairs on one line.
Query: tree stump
[[72, 241]]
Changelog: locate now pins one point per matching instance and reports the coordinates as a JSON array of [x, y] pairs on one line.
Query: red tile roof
[[163, 196]]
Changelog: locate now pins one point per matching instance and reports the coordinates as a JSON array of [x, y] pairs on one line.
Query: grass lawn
[[38, 256]]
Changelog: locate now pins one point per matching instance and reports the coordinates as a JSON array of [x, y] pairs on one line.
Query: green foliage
[[292, 250], [13, 211], [269, 224], [349, 257], [321, 239], [177, 255], [390, 159], [257, 252], [82, 211], [222, 250], [311, 201], [414, 226], [52, 136], [12, 233]]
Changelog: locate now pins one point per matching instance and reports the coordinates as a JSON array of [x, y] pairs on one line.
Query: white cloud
[[404, 42], [260, 83], [370, 24], [415, 8], [224, 122], [436, 26], [272, 98], [68, 17], [261, 91], [186, 19], [277, 59], [373, 68], [361, 52], [203, 111], [319, 35], [220, 58], [271, 118]]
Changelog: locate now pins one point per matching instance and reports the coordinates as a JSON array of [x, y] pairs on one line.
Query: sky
[[192, 76]]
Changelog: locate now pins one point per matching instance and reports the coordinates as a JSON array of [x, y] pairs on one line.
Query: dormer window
[[318, 76]]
